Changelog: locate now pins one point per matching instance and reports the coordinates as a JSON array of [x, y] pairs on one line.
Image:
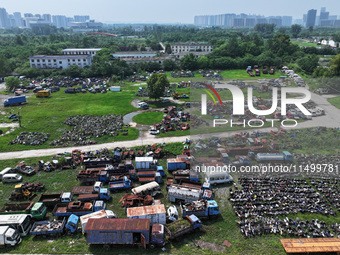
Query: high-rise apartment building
[[4, 20], [311, 18]]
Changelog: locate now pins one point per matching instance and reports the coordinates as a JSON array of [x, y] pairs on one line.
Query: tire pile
[[86, 127], [30, 138]]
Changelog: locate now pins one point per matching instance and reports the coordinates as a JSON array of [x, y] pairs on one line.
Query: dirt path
[[10, 125]]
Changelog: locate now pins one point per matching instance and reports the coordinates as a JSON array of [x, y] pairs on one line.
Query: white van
[[143, 105], [216, 177], [11, 178], [7, 170]]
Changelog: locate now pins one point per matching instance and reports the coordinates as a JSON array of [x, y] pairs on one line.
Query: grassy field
[[306, 44], [240, 74], [335, 101], [214, 231], [48, 114], [4, 130], [148, 118]]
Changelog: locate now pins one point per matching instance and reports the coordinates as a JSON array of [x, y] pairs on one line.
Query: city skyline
[[149, 11]]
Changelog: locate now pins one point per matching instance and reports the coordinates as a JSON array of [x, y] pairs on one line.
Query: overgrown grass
[[335, 101], [148, 118], [305, 44], [48, 114], [242, 74]]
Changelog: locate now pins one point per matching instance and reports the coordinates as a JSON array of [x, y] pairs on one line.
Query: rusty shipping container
[[118, 231], [156, 213]]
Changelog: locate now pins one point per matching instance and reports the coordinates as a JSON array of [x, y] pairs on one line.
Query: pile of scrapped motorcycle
[[262, 200], [288, 227], [330, 188], [30, 138], [273, 197], [318, 166], [86, 127]]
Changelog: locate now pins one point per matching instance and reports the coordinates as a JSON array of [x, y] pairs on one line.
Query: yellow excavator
[[21, 193]]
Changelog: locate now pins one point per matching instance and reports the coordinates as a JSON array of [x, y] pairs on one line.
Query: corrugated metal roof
[[145, 210], [176, 160], [118, 224], [143, 159], [59, 56]]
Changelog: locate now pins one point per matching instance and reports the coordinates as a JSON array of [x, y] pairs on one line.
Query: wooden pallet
[[309, 245]]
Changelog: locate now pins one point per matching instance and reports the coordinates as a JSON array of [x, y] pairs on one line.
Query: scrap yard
[[99, 181]]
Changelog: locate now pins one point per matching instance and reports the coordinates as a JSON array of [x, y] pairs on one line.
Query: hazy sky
[[173, 11]]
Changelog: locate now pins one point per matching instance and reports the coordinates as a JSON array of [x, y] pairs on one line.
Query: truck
[[37, 210], [120, 185], [156, 213], [250, 72], [44, 93], [55, 227], [174, 164], [15, 101], [178, 193], [9, 236], [201, 209], [176, 229], [151, 188], [78, 208], [257, 70], [145, 163], [77, 190], [103, 194], [124, 231], [50, 200], [149, 176], [285, 156], [130, 200], [102, 214], [187, 175]]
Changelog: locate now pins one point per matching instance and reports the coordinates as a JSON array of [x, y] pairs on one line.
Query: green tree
[[189, 62], [168, 48], [169, 65], [335, 65], [266, 30], [203, 62], [102, 56], [308, 63], [281, 45], [74, 71], [295, 30], [12, 82], [156, 85], [3, 66]]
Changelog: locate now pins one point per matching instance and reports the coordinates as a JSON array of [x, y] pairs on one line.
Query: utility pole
[[19, 118]]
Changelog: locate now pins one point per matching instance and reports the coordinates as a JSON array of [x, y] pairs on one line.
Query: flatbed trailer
[[82, 190], [77, 208]]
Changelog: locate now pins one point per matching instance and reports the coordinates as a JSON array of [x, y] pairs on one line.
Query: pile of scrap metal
[[52, 225], [30, 138], [86, 127]]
